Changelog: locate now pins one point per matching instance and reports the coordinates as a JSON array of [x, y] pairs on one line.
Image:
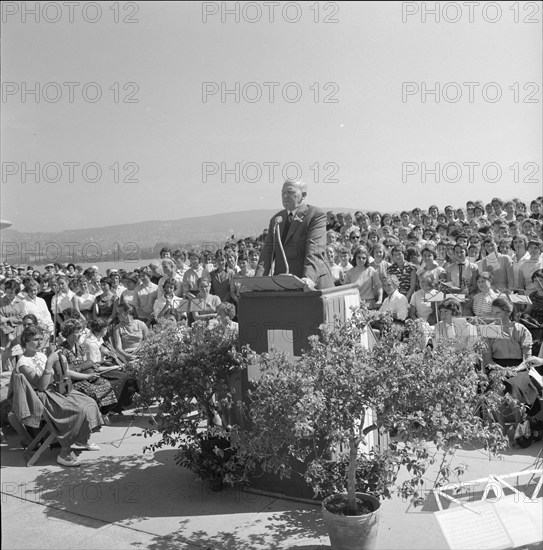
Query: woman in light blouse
[[366, 278], [74, 415]]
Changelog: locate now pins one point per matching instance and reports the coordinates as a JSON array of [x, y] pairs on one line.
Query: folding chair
[[28, 410], [36, 446]]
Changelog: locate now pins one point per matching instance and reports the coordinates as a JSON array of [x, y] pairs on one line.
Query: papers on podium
[[274, 282]]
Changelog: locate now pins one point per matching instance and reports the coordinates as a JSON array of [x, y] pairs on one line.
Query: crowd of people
[[485, 254]]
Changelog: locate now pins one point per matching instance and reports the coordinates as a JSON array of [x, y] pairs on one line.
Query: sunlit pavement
[[122, 497]]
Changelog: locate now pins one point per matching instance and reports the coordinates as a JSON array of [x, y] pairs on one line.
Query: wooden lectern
[[274, 313]]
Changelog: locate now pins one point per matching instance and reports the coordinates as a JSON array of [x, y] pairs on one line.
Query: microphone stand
[[282, 249]]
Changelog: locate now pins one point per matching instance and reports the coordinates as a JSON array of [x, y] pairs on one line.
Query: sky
[[167, 110]]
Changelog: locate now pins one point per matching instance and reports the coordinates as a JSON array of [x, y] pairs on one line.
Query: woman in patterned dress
[[82, 372]]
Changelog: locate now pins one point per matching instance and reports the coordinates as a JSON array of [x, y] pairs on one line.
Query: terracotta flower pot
[[352, 532]]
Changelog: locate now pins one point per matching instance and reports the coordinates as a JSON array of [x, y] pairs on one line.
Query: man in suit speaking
[[301, 229]]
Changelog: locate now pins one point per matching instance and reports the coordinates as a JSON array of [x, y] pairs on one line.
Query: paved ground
[[124, 498]]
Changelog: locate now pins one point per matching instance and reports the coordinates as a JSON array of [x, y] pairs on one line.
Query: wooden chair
[[35, 446]]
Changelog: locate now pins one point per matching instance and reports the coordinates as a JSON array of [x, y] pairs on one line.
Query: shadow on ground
[[273, 532]]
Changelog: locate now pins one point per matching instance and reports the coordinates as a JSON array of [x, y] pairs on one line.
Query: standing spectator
[[344, 258], [366, 278], [130, 280], [482, 301], [169, 269], [36, 306], [11, 319], [462, 273], [500, 265], [145, 295], [105, 304], [405, 272], [63, 299], [195, 272], [379, 254], [529, 266], [419, 306], [335, 269], [156, 273], [430, 266], [253, 258], [83, 299], [180, 259], [116, 285], [244, 271], [221, 278]]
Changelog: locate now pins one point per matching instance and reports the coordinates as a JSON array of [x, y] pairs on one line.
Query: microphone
[[278, 220]]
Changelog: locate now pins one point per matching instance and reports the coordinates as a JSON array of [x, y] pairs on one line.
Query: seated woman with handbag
[[73, 415], [84, 374]]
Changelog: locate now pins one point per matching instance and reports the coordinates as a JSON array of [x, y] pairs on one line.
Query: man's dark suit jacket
[[304, 246]]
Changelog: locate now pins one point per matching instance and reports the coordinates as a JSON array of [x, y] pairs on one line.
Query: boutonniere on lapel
[[298, 218]]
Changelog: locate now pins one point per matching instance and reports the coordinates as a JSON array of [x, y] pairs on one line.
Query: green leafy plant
[[185, 373], [321, 408]]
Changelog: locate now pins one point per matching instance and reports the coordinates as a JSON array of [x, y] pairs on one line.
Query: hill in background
[[142, 239]]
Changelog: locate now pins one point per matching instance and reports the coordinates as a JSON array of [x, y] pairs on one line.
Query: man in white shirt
[[395, 302]]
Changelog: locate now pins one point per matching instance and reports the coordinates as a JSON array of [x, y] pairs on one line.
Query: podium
[[276, 314], [285, 318]]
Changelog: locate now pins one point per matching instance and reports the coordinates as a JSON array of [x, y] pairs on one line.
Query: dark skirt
[[124, 385]]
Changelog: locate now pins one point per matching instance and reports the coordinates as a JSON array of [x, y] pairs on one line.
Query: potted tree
[[184, 372], [321, 409]]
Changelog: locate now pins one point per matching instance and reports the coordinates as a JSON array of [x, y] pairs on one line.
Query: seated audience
[[168, 304], [446, 328], [109, 366], [395, 302], [419, 306], [210, 302], [81, 371], [74, 416], [129, 333]]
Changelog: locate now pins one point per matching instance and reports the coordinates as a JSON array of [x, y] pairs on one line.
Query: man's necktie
[[287, 226], [460, 267]]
